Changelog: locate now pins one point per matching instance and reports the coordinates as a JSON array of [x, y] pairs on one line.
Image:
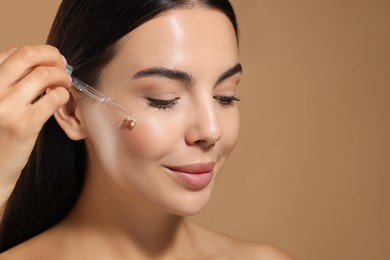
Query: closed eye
[[226, 100], [162, 104]]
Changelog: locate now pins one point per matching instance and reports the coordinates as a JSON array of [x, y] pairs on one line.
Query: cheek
[[150, 139], [230, 131], [116, 146]]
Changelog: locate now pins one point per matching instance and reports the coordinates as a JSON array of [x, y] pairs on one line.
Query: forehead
[[181, 38]]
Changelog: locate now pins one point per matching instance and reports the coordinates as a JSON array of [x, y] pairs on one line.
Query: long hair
[[86, 32]]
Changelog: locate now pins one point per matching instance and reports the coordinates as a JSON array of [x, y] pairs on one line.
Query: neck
[[109, 217]]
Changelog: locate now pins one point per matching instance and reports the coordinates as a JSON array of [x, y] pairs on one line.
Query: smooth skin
[[132, 206]]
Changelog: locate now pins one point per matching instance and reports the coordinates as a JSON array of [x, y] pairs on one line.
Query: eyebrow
[[161, 72], [182, 76], [230, 72]]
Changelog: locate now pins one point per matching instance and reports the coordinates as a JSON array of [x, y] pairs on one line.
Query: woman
[[94, 186]]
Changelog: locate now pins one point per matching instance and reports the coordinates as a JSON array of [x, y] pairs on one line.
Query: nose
[[203, 125]]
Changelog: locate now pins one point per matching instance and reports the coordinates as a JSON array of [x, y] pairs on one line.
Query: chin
[[191, 204], [188, 212]]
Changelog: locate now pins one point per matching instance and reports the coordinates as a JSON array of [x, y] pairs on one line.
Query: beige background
[[311, 172]]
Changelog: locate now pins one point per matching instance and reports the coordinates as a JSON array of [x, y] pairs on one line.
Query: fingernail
[[64, 60]]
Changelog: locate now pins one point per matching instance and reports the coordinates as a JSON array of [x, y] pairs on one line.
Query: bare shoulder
[[268, 252], [233, 248], [41, 246], [25, 250], [20, 251], [256, 250]]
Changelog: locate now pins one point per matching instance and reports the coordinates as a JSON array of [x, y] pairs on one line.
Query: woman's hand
[[26, 73]]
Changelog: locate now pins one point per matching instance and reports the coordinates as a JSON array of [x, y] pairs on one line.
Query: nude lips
[[195, 176]]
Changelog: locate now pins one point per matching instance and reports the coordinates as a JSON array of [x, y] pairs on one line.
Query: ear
[[68, 117]]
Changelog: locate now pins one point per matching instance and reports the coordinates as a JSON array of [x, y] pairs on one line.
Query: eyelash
[[163, 104], [226, 101]]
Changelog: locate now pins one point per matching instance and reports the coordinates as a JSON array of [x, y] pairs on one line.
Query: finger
[[35, 83], [5, 53], [45, 107], [26, 58]]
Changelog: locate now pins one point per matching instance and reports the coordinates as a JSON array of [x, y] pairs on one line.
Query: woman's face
[[178, 73]]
